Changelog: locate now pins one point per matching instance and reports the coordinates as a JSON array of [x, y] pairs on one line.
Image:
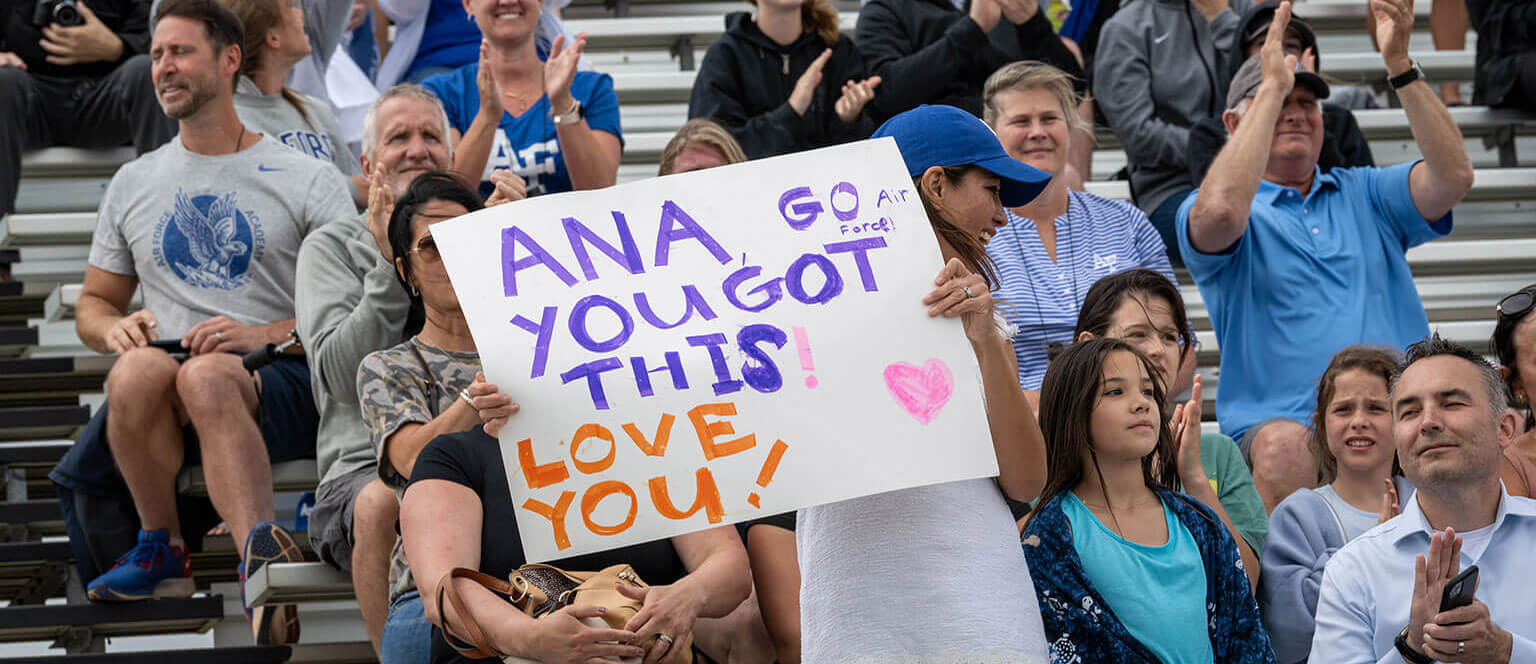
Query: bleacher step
[[236, 655], [156, 616], [14, 553], [33, 422]]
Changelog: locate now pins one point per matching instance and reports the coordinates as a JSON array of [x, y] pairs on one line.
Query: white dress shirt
[[1365, 595]]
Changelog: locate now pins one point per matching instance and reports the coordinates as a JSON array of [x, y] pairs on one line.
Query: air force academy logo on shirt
[[207, 241]]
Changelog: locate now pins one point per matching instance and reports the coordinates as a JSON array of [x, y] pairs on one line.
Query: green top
[[1233, 483]]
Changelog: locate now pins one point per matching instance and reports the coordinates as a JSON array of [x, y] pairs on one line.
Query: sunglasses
[[426, 248], [1516, 304]]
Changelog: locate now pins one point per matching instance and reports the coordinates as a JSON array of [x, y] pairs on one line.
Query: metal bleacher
[[50, 383]]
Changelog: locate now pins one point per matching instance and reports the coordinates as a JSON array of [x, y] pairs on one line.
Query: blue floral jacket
[[1080, 626]]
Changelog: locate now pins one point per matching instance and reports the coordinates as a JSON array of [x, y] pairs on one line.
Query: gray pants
[[38, 111]]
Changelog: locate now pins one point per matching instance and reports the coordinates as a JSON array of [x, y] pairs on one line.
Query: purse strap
[[478, 647]]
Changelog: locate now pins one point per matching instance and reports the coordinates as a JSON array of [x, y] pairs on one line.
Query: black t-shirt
[[19, 35], [473, 459]]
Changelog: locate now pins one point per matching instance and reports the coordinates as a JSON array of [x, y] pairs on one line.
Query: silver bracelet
[[464, 394]]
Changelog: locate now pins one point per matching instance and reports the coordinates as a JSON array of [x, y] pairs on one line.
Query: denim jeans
[[407, 635]]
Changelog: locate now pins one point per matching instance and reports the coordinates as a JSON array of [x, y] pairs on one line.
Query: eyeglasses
[[1516, 304], [426, 249]]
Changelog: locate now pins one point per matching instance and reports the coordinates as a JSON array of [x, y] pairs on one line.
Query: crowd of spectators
[[1348, 484]]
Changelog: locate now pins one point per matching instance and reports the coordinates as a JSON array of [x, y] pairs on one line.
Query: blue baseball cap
[[933, 135]]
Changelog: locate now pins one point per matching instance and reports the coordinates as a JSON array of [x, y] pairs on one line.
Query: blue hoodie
[[1304, 533]]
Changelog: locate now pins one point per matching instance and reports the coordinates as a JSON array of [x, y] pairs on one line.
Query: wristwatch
[[1414, 73], [576, 114], [1401, 642]]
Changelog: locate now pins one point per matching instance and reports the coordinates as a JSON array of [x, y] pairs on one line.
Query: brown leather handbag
[[538, 590]]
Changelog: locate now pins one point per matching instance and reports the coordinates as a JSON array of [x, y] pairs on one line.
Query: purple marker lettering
[[593, 372], [724, 384], [860, 249], [578, 324], [760, 371], [580, 236], [805, 212], [794, 279], [770, 289], [674, 366], [844, 188], [692, 299], [510, 263], [543, 333], [677, 225]]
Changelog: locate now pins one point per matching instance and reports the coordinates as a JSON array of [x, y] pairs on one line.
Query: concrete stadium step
[[226, 655], [156, 616], [33, 422]]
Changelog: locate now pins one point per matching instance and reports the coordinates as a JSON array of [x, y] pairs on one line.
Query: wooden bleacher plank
[[156, 616]]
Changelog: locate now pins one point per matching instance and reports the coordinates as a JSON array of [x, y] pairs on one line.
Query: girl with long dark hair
[[1127, 570]]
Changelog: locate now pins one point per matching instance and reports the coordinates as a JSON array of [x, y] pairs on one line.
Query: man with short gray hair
[[350, 304], [1391, 594]]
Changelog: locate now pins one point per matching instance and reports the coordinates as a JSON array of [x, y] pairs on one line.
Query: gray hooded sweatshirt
[[1157, 72]]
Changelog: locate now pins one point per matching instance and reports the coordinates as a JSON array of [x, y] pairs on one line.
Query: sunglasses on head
[[1516, 304]]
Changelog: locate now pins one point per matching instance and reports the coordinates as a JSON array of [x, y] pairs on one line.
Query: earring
[[414, 292]]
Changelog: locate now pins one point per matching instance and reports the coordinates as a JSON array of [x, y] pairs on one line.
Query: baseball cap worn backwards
[[1251, 74], [935, 135]]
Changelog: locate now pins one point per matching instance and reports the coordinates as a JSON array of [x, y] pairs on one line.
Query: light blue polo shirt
[[1309, 276]]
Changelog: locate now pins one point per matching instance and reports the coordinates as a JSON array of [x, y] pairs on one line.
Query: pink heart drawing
[[922, 392]]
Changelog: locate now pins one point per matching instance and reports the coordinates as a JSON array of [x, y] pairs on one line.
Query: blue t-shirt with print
[[527, 144]]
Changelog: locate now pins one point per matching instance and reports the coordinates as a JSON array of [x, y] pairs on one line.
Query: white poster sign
[[717, 346]]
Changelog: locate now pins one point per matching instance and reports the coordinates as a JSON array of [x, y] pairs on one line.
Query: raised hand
[[986, 13], [957, 292], [1394, 25], [1186, 421], [381, 205], [805, 88], [1389, 505], [560, 70], [1018, 11], [509, 187], [855, 96], [1279, 69], [1429, 576], [485, 82]]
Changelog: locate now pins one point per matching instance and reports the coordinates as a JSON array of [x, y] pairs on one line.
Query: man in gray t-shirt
[[208, 228]]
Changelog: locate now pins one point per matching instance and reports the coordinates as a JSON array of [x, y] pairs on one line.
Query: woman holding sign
[[936, 572], [429, 387], [553, 126]]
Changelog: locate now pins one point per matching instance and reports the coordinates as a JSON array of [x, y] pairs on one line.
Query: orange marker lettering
[[663, 434], [596, 494], [707, 497], [539, 476], [593, 431], [556, 515], [709, 431]]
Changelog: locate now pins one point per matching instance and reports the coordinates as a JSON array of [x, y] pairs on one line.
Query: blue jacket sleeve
[[1302, 537]]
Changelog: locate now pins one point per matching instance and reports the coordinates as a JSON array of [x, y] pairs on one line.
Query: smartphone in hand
[[1460, 590]]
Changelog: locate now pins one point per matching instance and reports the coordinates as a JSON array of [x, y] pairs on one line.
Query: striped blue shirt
[[1095, 238]]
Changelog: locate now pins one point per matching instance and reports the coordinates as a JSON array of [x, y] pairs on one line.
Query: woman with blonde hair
[[274, 42], [785, 80], [700, 144], [1056, 247]]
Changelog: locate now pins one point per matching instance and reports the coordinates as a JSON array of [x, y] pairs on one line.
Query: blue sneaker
[[153, 568], [270, 543]]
